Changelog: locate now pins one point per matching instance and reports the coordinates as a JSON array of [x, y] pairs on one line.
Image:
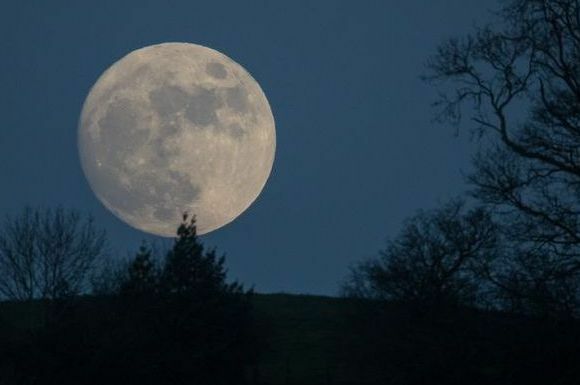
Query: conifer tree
[[189, 268], [142, 274]]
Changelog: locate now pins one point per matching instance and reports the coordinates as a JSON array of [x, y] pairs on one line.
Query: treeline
[[155, 321], [430, 310], [514, 242], [489, 283]]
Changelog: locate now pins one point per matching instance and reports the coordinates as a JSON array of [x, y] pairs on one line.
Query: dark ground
[[312, 340]]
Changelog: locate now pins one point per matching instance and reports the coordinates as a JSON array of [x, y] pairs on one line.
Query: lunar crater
[[237, 99], [216, 70], [202, 106]]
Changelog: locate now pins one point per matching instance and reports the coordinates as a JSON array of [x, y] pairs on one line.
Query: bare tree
[[18, 257], [47, 253], [435, 260], [520, 81]]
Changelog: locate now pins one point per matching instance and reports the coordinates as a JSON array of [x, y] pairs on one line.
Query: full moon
[[174, 128]]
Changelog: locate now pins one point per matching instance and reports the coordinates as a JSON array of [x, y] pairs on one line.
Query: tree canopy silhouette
[[519, 81], [434, 261], [183, 306], [47, 253], [168, 319]]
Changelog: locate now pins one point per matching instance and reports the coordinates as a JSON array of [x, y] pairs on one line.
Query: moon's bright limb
[[174, 128]]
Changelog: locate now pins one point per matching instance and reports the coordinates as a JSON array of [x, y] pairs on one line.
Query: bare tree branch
[[47, 253], [524, 76]]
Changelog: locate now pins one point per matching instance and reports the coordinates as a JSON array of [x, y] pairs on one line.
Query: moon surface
[[174, 128]]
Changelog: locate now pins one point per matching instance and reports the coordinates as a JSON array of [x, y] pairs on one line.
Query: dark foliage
[[47, 254], [519, 80], [406, 344], [178, 323], [434, 262]]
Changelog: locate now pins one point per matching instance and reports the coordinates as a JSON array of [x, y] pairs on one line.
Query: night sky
[[357, 150]]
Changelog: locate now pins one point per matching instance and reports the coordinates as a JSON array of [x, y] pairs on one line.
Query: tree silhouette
[[47, 253], [167, 320], [190, 269], [185, 309], [434, 261], [521, 79], [142, 275]]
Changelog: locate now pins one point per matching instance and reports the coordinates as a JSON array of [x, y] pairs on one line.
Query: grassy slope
[[303, 338]]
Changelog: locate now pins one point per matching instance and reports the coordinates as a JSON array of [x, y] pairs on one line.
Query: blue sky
[[357, 151]]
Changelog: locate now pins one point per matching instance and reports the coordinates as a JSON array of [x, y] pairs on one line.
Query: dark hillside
[[304, 338], [312, 340]]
